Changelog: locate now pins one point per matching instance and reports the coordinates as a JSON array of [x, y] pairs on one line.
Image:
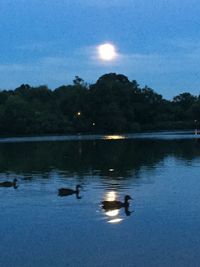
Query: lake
[[161, 227]]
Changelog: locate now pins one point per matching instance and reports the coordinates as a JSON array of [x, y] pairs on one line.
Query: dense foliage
[[112, 104]]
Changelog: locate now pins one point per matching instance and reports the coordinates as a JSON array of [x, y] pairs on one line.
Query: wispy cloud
[[38, 46], [106, 3], [184, 45], [32, 46], [185, 61], [160, 71]]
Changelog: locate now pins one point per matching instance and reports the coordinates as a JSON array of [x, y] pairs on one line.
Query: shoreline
[[181, 134]]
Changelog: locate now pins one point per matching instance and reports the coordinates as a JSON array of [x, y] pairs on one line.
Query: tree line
[[112, 104]]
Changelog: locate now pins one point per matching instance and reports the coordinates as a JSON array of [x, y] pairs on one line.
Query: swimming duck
[[9, 184], [67, 191], [110, 205]]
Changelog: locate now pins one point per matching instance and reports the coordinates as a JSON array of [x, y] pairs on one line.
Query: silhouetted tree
[[112, 104]]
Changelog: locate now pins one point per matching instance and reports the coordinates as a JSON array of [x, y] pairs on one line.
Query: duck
[[68, 191], [111, 205], [9, 184]]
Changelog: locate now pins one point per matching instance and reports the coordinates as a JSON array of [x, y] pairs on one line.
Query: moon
[[107, 52]]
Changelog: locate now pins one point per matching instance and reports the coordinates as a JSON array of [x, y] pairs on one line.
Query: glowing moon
[[107, 52]]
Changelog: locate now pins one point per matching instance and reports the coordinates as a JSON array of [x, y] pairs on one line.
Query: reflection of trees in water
[[116, 159]]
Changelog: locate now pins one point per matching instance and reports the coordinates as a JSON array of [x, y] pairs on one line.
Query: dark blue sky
[[51, 41]]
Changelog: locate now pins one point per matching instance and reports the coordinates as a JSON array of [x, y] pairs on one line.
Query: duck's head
[[78, 187], [15, 185], [127, 198]]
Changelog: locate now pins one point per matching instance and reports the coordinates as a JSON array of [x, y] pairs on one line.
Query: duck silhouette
[[68, 191], [112, 205], [9, 184]]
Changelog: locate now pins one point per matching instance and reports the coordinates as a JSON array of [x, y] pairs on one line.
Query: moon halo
[[106, 52]]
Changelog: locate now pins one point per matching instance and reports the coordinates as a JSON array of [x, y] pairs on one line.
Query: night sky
[[51, 41]]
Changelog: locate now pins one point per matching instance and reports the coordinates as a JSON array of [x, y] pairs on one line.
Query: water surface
[[160, 172]]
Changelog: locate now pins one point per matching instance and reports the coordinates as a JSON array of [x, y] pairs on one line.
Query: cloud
[[186, 60], [32, 46], [50, 70], [106, 3], [167, 74]]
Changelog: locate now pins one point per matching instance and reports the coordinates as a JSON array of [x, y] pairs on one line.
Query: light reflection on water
[[38, 228], [114, 137], [116, 220], [112, 212], [110, 196]]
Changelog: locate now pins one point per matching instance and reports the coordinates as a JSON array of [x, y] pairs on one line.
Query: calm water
[[161, 228]]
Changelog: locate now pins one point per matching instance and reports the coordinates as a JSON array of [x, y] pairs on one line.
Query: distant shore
[[112, 105]]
